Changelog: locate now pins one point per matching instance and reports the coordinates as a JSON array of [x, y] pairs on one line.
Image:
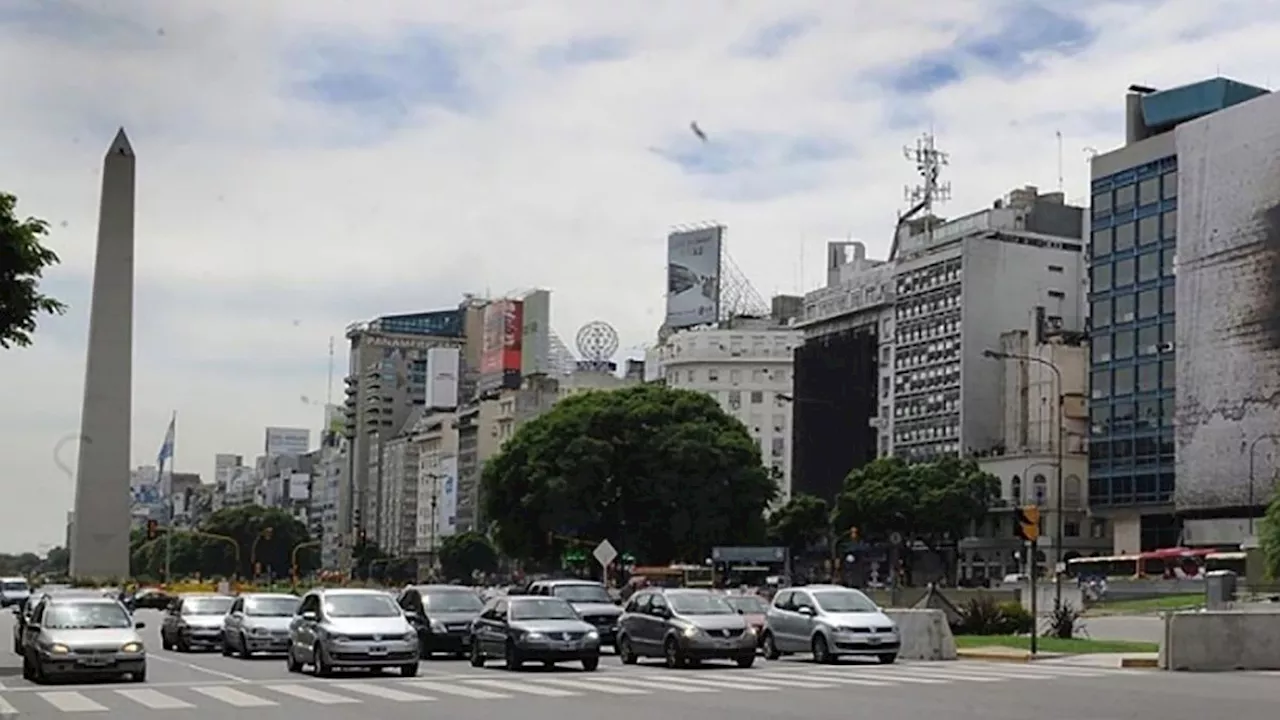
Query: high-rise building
[[1133, 324]]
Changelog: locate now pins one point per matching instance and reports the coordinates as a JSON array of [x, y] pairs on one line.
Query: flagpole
[[168, 535]]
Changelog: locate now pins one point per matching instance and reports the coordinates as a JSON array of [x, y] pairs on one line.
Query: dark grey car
[[527, 628], [194, 621], [442, 616], [684, 627], [590, 599]]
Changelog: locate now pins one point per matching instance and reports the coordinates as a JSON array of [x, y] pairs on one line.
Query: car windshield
[[699, 604], [844, 601], [749, 604], [271, 606], [452, 601], [582, 594], [14, 586], [360, 606], [542, 609], [86, 616], [206, 606]]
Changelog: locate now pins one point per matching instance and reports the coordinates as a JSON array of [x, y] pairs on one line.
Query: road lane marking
[[71, 702], [652, 684], [6, 708], [199, 668], [892, 677], [154, 699], [837, 679], [592, 686], [316, 696], [721, 684], [382, 691], [782, 679], [234, 697], [522, 688], [460, 690]]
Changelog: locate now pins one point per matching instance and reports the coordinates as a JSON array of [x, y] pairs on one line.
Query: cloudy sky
[[303, 164]]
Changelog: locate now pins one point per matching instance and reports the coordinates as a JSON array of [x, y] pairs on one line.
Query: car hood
[[369, 626], [16, 593], [453, 618], [204, 621], [551, 626], [110, 638], [860, 620], [268, 622], [593, 608], [716, 622], [755, 619]]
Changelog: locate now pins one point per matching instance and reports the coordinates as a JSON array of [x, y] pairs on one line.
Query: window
[[1040, 487], [1101, 313], [1055, 268], [1124, 237], [1101, 277], [1124, 308], [1099, 423], [1124, 273], [1149, 340], [1169, 225], [1100, 384], [1123, 381], [1169, 298], [1168, 374], [735, 376], [1071, 491], [1148, 266], [1148, 377], [1168, 332], [1149, 230], [1102, 204], [735, 399], [1101, 348], [1149, 191], [1169, 185], [1102, 242], [1015, 490], [1122, 345], [757, 397], [1148, 414], [1148, 303], [1168, 259], [1125, 195]]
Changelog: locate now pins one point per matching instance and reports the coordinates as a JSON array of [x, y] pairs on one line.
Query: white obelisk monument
[[100, 535]]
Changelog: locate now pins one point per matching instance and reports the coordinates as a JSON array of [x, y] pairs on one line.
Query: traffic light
[[257, 569], [153, 529], [1028, 519], [853, 533], [266, 533]]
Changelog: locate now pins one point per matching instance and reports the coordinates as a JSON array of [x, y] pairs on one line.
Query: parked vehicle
[[829, 621], [442, 616], [194, 622], [590, 599], [82, 636], [529, 628], [257, 623], [684, 627], [348, 627]]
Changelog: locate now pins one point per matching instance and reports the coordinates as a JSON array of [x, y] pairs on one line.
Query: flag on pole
[[166, 448]]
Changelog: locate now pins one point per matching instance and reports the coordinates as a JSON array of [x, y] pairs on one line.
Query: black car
[[442, 615], [590, 599], [528, 628]]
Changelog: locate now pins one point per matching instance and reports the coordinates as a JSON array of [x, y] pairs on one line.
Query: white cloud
[[260, 234]]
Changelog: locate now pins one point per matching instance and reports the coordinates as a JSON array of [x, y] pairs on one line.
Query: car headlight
[[846, 629], [257, 631], [58, 649], [409, 636], [691, 631], [132, 647], [533, 636], [338, 638], [751, 630], [438, 627], [593, 635]]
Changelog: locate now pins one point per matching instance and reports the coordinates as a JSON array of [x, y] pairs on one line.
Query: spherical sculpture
[[597, 341]]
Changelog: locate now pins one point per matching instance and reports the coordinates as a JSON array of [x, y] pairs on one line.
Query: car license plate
[[873, 640], [96, 662], [377, 650]]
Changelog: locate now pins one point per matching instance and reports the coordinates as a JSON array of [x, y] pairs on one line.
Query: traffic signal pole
[[1028, 520], [1031, 580]]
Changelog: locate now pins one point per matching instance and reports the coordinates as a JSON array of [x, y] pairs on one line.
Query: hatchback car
[[80, 636], [14, 591], [346, 628], [442, 616], [257, 623], [590, 599], [684, 627], [528, 628], [23, 611], [829, 621], [194, 622]]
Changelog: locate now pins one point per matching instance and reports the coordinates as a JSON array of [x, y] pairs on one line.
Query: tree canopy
[[23, 260], [205, 551], [1269, 538], [664, 474], [464, 554], [804, 521]]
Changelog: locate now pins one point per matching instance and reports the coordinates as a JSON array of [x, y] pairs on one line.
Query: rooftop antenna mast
[[929, 162], [1058, 133], [328, 398]]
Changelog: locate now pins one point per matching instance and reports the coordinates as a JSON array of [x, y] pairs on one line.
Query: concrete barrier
[[925, 634], [1221, 640]]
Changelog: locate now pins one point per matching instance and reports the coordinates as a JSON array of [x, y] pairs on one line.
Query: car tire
[[746, 661], [770, 647], [626, 653], [245, 654], [226, 647], [477, 657], [671, 653], [410, 670], [321, 664], [591, 663], [821, 651], [140, 676], [888, 658], [182, 646], [164, 641], [28, 669], [291, 661], [512, 656]]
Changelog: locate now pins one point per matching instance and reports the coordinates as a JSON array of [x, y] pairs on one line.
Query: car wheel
[[746, 661], [770, 647], [477, 657], [321, 663], [140, 676], [625, 652], [28, 669], [182, 646], [512, 656], [164, 641], [821, 652], [410, 670], [888, 658], [244, 647], [590, 663], [291, 661], [671, 652]]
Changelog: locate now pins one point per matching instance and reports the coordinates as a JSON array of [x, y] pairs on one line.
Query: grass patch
[[1164, 603], [1074, 646]]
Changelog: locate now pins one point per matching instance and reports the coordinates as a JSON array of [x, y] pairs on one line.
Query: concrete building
[[971, 279], [436, 438], [477, 442], [1133, 319], [331, 467], [399, 492], [746, 365]]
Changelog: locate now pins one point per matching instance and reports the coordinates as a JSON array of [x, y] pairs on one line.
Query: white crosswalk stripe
[[6, 708], [71, 702], [457, 690], [520, 687], [385, 692], [233, 697], [154, 699], [593, 686], [312, 694], [831, 679], [654, 684]]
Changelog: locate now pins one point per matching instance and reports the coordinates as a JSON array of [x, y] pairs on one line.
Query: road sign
[[605, 553], [895, 538]]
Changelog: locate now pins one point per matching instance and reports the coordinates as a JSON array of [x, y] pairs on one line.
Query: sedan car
[[442, 616], [347, 627], [829, 621], [684, 627], [590, 599], [14, 591], [528, 628], [194, 621], [68, 637], [258, 623]]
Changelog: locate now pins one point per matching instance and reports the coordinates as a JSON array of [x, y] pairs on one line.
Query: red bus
[[1166, 562]]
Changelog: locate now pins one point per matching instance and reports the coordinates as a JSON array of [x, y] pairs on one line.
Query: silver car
[[345, 628], [82, 636], [14, 591], [829, 621], [258, 622], [194, 622]]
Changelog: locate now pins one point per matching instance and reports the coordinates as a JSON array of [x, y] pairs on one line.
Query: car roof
[[81, 599], [441, 587], [569, 581], [531, 598], [350, 591], [186, 596], [685, 591], [259, 595]]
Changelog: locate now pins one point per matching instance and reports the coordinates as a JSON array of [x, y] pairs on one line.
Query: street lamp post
[[1273, 437], [1062, 436], [435, 517]]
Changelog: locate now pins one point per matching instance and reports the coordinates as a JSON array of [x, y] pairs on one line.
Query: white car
[[829, 621]]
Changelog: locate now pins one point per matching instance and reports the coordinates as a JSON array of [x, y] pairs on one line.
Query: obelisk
[[100, 535]]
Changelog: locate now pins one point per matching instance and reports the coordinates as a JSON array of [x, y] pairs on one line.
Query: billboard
[[1228, 307], [535, 340], [443, 369], [287, 441], [447, 498], [693, 277], [500, 348]]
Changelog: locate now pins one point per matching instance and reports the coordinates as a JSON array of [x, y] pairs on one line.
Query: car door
[[303, 628], [410, 602], [782, 622], [31, 631], [493, 628], [632, 617], [656, 614], [802, 615], [233, 623]]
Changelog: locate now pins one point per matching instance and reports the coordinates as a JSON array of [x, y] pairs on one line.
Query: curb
[[995, 657], [1140, 663]]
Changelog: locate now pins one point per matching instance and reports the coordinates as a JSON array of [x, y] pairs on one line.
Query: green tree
[[804, 521], [1269, 538], [662, 473], [23, 260], [933, 503], [463, 554]]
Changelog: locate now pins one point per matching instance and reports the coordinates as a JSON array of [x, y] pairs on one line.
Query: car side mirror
[[309, 616], [805, 611], [33, 626], [139, 625]]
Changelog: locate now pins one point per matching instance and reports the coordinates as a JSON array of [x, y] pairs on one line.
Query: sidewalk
[[1107, 660]]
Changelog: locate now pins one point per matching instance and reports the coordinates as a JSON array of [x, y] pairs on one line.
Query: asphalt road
[[209, 686]]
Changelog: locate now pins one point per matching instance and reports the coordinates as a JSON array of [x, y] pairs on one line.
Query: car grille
[[884, 629], [566, 635], [96, 651], [726, 632], [605, 620]]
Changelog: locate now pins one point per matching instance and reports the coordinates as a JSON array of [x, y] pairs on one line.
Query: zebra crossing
[[497, 685]]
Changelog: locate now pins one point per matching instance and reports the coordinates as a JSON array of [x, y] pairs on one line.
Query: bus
[[673, 576], [1167, 562], [1233, 561]]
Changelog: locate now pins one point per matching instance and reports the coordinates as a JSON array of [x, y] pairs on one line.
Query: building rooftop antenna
[[929, 161]]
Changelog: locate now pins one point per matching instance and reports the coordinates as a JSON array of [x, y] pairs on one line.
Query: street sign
[[895, 538], [605, 553]]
